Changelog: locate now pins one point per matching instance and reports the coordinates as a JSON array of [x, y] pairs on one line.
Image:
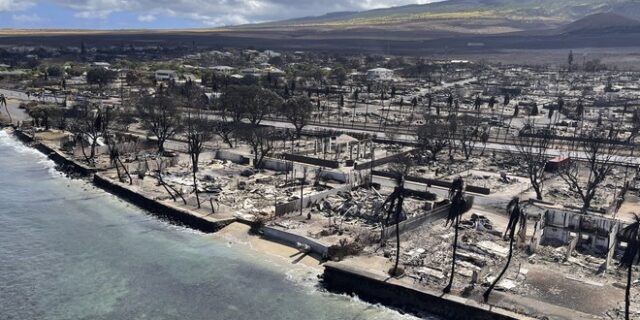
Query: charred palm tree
[[114, 158], [631, 256], [3, 102], [395, 201], [515, 216], [458, 207]]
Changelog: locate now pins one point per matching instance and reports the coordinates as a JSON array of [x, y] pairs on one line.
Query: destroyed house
[[593, 231]]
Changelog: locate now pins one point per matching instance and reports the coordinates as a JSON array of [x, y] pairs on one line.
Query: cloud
[[15, 5], [26, 18], [147, 18], [95, 14], [220, 12]]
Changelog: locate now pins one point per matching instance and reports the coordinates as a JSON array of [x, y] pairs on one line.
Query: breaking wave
[[7, 140]]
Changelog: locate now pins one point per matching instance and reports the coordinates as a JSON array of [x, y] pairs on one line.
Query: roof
[[380, 70], [222, 68], [344, 139]]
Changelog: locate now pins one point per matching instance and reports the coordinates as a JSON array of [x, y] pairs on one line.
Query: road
[[397, 135]]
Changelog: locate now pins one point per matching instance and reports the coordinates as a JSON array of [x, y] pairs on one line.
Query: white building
[[379, 74], [271, 53], [105, 65], [166, 75]]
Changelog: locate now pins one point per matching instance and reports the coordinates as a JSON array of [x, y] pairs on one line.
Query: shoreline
[[336, 277]]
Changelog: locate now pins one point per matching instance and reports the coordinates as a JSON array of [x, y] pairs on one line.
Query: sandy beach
[[238, 234]]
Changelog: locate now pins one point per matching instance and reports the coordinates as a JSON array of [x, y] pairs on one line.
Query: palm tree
[[515, 215], [631, 256], [458, 207], [3, 101], [395, 200]]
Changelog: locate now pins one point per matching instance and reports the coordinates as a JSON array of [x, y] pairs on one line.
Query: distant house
[[274, 72], [226, 70], [252, 72], [189, 77], [105, 65], [166, 75], [12, 73], [271, 53], [357, 76], [379, 74]]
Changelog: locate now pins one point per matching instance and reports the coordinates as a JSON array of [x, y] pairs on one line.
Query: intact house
[[166, 75]]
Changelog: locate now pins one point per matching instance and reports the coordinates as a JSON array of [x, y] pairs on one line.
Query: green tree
[[340, 75], [100, 76], [570, 59], [55, 71], [298, 111]]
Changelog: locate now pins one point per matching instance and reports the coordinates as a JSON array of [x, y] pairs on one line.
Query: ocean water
[[71, 251]]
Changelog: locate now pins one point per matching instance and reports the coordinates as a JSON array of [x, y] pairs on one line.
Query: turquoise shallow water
[[70, 251]]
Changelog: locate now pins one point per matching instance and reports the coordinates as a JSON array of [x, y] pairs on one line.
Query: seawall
[[341, 278], [167, 211], [163, 210], [65, 162]]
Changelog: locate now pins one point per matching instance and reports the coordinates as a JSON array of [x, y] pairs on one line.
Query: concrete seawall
[[163, 210], [68, 164], [173, 213], [341, 278], [293, 239]]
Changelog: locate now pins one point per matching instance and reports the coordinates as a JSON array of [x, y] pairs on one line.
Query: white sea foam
[[9, 141]]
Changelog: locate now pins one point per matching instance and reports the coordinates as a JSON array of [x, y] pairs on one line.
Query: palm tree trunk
[[627, 292], [126, 171], [118, 170], [8, 113], [506, 266], [398, 211], [447, 289], [195, 187]]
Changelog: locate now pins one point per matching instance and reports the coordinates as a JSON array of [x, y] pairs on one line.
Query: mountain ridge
[[466, 16]]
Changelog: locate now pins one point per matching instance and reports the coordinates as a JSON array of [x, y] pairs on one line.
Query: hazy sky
[[116, 14]]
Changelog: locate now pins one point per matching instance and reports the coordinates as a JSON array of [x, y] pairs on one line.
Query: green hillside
[[465, 15]]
